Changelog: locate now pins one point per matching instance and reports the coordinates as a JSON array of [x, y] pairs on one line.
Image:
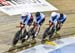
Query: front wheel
[[46, 33], [17, 37]]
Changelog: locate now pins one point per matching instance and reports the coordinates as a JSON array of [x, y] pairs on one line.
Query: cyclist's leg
[[35, 32], [58, 26], [25, 35]]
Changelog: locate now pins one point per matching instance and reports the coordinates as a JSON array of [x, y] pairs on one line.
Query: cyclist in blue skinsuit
[[57, 20]]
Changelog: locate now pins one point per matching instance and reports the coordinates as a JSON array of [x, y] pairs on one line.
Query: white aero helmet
[[53, 13]]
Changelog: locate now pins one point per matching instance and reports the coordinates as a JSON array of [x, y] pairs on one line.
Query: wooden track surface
[[8, 23]]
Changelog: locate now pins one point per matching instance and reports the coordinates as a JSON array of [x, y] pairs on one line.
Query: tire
[[51, 33], [46, 33], [17, 37]]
